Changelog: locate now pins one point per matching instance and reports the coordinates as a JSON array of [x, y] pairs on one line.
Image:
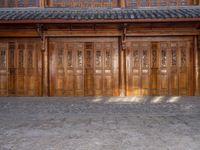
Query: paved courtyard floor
[[100, 123]]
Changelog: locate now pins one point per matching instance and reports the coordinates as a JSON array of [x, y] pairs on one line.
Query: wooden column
[[45, 66], [42, 3], [122, 62], [197, 67], [122, 3]]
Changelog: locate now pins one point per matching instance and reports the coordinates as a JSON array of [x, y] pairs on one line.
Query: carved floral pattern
[[30, 55], [174, 56], [21, 55], [183, 56], [108, 59], [88, 58], [60, 56], [135, 58], [3, 57], [98, 58], [144, 58], [163, 57], [80, 58], [154, 57], [11, 54], [69, 58]]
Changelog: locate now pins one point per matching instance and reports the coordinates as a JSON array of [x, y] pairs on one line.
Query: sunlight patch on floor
[[158, 99], [174, 99]]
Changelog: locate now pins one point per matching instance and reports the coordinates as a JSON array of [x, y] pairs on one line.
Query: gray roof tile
[[105, 14]]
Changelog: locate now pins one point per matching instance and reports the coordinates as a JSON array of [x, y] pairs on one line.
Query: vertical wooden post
[[42, 3], [45, 73], [122, 62], [197, 67], [122, 3]]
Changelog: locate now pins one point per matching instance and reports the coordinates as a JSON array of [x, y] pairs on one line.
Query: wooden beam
[[99, 33]]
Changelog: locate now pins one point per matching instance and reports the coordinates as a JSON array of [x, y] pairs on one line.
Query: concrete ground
[[100, 123]]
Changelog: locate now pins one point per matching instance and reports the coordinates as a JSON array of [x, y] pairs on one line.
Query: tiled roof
[[39, 14]]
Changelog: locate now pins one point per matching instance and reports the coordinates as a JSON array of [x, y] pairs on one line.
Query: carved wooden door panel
[[154, 83], [160, 67], [163, 70], [27, 66], [3, 69], [83, 68], [11, 68], [88, 68], [74, 73], [98, 69], [105, 70], [109, 54], [66, 69], [133, 68], [138, 68], [174, 69], [79, 69], [32, 72], [69, 55], [19, 68], [20, 72], [185, 72], [145, 68], [58, 69]]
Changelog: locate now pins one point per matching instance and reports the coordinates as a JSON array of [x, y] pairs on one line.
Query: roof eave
[[100, 20]]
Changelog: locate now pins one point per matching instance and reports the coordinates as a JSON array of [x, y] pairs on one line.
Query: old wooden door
[[159, 66], [84, 67], [20, 72]]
